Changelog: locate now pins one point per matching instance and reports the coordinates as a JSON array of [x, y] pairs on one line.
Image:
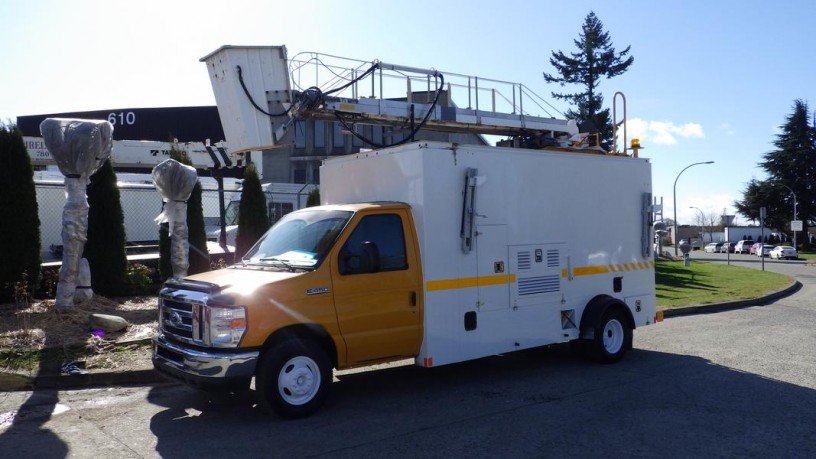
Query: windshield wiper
[[287, 265], [276, 259]]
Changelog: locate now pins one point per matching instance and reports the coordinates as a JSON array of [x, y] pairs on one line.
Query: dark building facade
[[297, 161]]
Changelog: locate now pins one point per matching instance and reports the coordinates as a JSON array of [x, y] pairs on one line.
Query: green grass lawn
[[704, 283], [807, 255]]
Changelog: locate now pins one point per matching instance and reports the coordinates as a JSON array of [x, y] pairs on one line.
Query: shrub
[[253, 218], [105, 248], [19, 220], [314, 198], [139, 279]]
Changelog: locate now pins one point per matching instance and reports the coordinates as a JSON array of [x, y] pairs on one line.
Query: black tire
[[612, 337], [293, 378]]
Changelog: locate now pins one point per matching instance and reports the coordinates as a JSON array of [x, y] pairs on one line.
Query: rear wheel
[[293, 378], [612, 337]]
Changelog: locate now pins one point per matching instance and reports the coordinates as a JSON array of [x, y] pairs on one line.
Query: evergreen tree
[[595, 59], [253, 218], [314, 198], [105, 248], [19, 219], [791, 167], [199, 254]]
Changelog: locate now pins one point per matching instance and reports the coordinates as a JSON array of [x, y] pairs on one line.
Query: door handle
[[413, 299]]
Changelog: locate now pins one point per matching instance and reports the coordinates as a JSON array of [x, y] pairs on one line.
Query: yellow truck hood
[[242, 281]]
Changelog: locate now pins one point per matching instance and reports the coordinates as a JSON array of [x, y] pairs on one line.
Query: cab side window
[[377, 244]]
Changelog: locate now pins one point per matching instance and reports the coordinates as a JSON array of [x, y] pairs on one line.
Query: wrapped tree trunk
[[80, 147], [175, 182]]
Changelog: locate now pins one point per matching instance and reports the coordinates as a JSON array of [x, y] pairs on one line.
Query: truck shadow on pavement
[[524, 404]]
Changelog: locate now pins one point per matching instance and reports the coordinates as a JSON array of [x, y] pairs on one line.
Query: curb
[[129, 378], [11, 382], [727, 306]]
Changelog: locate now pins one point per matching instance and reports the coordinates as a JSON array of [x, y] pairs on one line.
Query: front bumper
[[204, 369]]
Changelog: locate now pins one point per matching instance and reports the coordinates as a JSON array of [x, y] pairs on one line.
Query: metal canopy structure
[[260, 92]]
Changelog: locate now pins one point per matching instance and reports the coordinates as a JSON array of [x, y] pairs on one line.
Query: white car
[[763, 250], [713, 247], [784, 252], [743, 246]]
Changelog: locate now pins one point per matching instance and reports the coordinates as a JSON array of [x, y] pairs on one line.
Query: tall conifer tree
[[253, 217], [105, 248], [19, 219], [595, 60], [791, 167]]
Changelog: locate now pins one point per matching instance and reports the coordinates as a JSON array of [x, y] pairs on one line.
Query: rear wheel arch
[[597, 306], [606, 329]]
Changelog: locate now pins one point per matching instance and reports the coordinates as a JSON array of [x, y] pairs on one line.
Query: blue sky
[[711, 81]]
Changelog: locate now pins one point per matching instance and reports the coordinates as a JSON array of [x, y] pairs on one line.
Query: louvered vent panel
[[553, 259], [524, 260], [537, 285]]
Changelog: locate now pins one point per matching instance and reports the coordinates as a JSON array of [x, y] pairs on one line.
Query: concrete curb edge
[[726, 306]]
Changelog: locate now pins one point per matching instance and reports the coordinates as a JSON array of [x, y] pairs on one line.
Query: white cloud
[[662, 132]]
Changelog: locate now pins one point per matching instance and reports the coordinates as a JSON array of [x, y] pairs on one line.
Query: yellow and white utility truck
[[428, 250]]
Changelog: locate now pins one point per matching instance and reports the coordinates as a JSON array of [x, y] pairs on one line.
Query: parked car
[[754, 247], [727, 247], [743, 246], [763, 250], [694, 243], [784, 252], [713, 247]]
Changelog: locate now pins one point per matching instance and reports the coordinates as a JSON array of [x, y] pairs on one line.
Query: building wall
[[315, 140]]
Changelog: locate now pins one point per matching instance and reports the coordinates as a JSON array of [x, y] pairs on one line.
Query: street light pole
[[702, 226], [674, 197]]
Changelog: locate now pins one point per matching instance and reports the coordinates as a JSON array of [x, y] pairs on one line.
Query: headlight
[[226, 326]]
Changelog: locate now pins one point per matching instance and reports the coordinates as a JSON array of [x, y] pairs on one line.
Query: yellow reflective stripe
[[469, 282], [499, 279], [590, 270], [611, 268]]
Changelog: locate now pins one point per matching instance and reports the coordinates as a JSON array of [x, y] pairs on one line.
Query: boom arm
[[259, 94]]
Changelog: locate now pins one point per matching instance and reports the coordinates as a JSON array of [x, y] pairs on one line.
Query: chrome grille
[[177, 318], [181, 314]]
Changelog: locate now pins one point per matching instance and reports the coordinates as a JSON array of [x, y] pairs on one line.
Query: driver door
[[377, 283]]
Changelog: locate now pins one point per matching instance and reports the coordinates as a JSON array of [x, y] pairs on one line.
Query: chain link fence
[[142, 203]]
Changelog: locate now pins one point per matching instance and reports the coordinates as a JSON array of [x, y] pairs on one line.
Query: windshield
[[300, 239]]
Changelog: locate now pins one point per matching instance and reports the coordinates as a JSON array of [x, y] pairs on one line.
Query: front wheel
[[612, 337], [293, 378]]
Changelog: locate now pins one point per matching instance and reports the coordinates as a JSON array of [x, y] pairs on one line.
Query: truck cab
[[328, 286]]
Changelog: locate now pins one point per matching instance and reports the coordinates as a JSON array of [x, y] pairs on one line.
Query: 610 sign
[[122, 118]]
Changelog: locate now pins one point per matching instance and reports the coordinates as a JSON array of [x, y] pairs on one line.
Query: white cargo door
[[538, 274], [491, 253]]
